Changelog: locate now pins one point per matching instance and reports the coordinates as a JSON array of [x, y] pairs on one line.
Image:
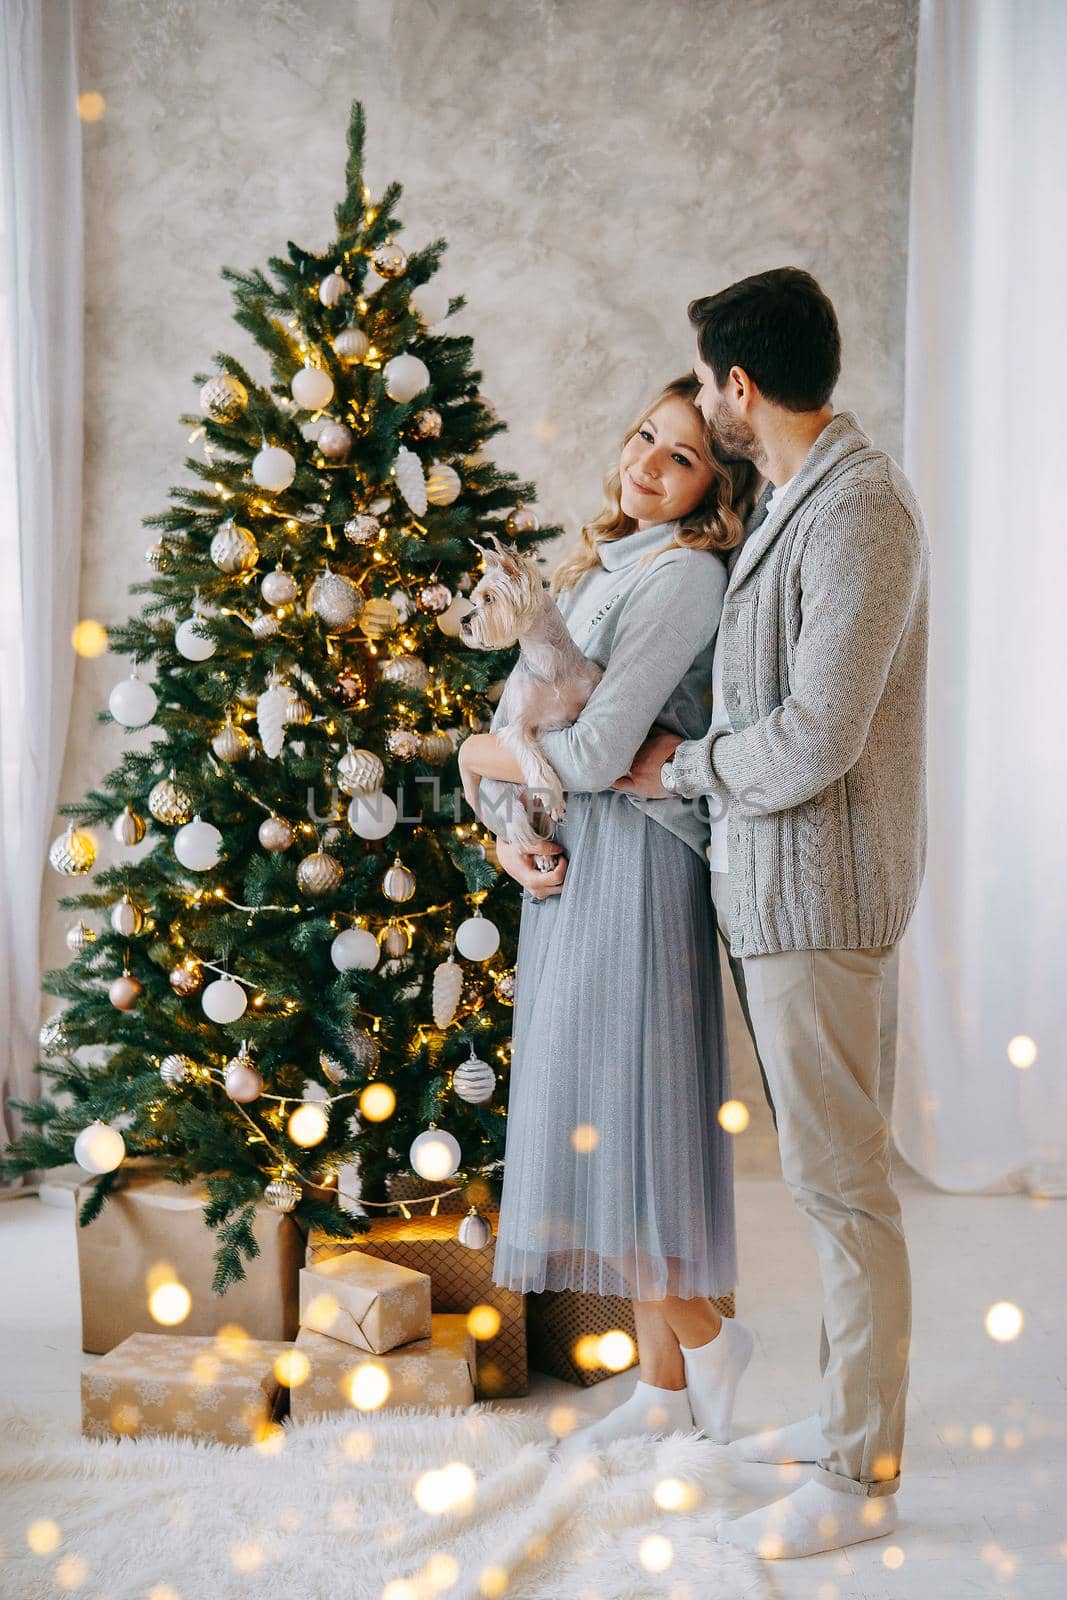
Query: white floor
[[984, 1503]]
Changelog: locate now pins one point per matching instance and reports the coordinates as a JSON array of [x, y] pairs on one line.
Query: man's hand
[[643, 776], [520, 866]]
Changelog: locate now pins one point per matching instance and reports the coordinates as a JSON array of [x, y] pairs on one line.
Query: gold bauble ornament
[[434, 598], [169, 803], [398, 883], [333, 1069], [127, 918], [73, 853], [125, 992], [275, 834], [406, 672], [231, 743], [128, 828], [319, 874], [443, 484], [360, 772], [297, 712], [157, 556], [79, 938], [395, 940], [378, 618], [282, 1194], [522, 520], [389, 261], [435, 748], [403, 744], [233, 549], [187, 978], [223, 398], [504, 987]]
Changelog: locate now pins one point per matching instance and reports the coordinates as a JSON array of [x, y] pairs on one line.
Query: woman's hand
[[520, 866]]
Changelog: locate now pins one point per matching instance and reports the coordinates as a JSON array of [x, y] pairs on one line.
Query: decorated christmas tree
[[303, 959]]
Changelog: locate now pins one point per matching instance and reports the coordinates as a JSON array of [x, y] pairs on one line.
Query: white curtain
[[986, 447], [41, 315]]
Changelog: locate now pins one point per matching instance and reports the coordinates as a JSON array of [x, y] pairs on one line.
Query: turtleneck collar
[[618, 553]]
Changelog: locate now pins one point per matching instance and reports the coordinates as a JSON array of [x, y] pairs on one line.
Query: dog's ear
[[506, 554]]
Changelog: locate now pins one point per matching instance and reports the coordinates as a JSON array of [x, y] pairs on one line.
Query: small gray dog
[[546, 689]]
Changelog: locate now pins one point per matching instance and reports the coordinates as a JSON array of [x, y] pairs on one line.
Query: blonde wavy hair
[[717, 523]]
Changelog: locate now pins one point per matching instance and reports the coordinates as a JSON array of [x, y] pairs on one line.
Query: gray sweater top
[[652, 628], [823, 769]]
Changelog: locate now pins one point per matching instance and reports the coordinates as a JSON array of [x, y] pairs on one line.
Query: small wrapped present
[[564, 1328], [365, 1302], [224, 1388], [151, 1229], [460, 1279], [434, 1372]]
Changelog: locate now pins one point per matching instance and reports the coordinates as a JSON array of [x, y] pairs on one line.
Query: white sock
[[797, 1441], [812, 1519], [712, 1374], [648, 1411]]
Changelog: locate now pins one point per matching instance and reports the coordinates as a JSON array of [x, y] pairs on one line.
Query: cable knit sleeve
[[860, 572], [666, 621]]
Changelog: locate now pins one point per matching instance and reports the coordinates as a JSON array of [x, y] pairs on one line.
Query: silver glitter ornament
[[504, 987], [334, 440], [362, 528], [233, 549], [403, 744], [434, 598], [426, 424], [319, 874], [52, 1037], [335, 600], [157, 556], [264, 626], [366, 1051], [389, 261]]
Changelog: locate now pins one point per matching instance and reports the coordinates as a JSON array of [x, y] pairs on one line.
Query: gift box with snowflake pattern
[[366, 1302], [223, 1388], [434, 1372]]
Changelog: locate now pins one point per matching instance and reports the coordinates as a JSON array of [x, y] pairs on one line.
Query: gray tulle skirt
[[618, 1178]]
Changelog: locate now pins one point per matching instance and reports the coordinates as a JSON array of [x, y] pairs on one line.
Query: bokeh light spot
[[291, 1368], [369, 1386], [656, 1553], [91, 105], [483, 1322], [585, 1138], [43, 1536], [1004, 1322], [377, 1102], [89, 638], [893, 1557], [1022, 1051], [733, 1116], [616, 1350], [444, 1489], [170, 1303]]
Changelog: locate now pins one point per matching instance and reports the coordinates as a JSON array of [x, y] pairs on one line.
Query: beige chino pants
[[815, 1018]]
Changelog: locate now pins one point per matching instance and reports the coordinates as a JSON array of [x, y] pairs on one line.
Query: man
[[814, 766]]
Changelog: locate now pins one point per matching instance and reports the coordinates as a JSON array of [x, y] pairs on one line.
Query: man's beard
[[734, 439]]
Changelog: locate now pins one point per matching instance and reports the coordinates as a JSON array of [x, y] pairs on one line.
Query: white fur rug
[[333, 1516]]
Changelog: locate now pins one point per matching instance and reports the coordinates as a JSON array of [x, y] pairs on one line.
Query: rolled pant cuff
[[837, 1480]]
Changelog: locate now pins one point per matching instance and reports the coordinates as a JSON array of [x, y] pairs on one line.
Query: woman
[[618, 1177]]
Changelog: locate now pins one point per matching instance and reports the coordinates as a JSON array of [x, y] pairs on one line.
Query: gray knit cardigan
[[824, 628]]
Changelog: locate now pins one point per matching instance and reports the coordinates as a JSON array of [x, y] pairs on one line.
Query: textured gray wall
[[593, 163]]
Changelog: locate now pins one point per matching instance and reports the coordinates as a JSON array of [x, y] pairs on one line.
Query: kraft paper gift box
[[365, 1302], [433, 1372], [459, 1279], [200, 1388], [150, 1223]]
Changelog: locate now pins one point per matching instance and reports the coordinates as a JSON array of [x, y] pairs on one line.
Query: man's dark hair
[[780, 328]]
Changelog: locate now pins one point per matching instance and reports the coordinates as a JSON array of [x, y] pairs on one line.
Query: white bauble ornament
[[399, 882], [355, 950], [435, 1154], [389, 261], [372, 816], [174, 1069], [275, 834], [243, 1082], [198, 845], [405, 377], [234, 549], [360, 772], [272, 709], [192, 642], [447, 988], [378, 618], [273, 468], [127, 918], [362, 528], [443, 484], [334, 440], [74, 852], [407, 672], [79, 938], [311, 429], [333, 289], [223, 398], [125, 992], [309, 1124], [410, 480], [477, 938], [99, 1148], [400, 600], [282, 1194], [474, 1080], [279, 587], [224, 1000], [475, 1231], [451, 620], [335, 600], [430, 303], [351, 345], [132, 702], [312, 388]]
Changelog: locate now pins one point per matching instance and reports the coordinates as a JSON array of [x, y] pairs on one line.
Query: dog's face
[[505, 600]]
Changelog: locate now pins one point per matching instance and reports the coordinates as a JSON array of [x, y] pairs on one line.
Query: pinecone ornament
[[271, 716], [447, 988], [410, 480]]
